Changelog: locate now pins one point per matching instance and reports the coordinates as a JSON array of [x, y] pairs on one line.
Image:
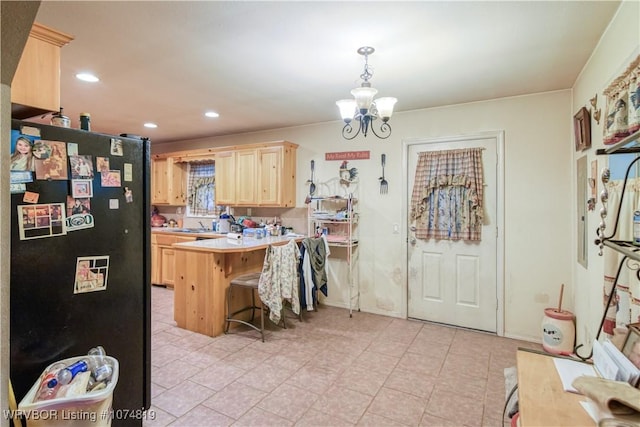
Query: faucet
[[202, 225]]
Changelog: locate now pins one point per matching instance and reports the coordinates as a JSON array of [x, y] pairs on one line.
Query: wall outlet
[[396, 228], [248, 211]]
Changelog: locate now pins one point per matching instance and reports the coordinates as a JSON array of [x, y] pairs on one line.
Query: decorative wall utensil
[[312, 185], [384, 185]]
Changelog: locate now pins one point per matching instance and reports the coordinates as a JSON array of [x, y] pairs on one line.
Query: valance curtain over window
[[447, 200], [201, 189]]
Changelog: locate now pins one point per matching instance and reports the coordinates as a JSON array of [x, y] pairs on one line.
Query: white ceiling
[[272, 64]]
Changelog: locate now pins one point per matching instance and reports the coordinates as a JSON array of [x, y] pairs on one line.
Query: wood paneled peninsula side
[[203, 271]]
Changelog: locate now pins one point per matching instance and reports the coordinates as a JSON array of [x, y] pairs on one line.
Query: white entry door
[[455, 282]]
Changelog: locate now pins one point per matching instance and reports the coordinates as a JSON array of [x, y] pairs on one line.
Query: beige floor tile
[[328, 370], [315, 378], [234, 400], [257, 417], [399, 406], [362, 379], [387, 347], [157, 418], [415, 383], [373, 420], [429, 420], [266, 377], [468, 411], [463, 385], [472, 365], [167, 354], [419, 363], [373, 361], [201, 416], [246, 358], [182, 398], [218, 376], [343, 403], [172, 374], [289, 402], [315, 418]]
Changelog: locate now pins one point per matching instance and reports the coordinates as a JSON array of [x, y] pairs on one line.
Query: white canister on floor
[[558, 331]]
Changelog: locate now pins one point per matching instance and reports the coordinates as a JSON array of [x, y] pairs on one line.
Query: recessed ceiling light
[[211, 114], [86, 77], [150, 125]]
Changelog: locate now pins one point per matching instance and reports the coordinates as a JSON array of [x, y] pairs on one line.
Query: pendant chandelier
[[364, 109]]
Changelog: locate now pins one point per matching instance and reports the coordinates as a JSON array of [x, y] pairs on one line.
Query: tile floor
[[329, 370]]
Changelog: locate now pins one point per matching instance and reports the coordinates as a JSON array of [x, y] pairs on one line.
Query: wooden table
[[541, 398], [203, 271]]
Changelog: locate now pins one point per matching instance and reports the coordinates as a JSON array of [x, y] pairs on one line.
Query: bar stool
[[246, 281]]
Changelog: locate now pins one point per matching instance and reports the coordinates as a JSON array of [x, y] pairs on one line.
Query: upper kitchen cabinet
[[168, 181], [277, 176], [257, 175], [35, 88]]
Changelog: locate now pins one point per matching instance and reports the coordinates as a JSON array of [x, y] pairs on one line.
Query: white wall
[[619, 44], [537, 232]]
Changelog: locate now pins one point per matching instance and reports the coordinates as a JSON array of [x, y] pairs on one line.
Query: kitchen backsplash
[[289, 217]]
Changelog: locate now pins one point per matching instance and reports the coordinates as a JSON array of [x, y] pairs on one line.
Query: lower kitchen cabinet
[[163, 257]]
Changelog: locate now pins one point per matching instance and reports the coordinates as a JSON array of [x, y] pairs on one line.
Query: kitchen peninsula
[[203, 271]]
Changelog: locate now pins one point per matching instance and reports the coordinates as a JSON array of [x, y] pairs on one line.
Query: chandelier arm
[[348, 130], [385, 130]]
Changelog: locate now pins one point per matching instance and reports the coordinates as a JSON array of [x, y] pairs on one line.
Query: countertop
[[247, 244], [180, 232]]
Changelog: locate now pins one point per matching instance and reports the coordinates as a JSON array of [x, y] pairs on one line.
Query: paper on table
[[569, 370]]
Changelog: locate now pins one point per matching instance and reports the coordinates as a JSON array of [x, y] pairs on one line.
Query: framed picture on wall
[[631, 346], [582, 129]]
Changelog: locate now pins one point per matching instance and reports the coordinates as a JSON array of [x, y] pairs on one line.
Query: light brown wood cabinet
[[225, 178], [259, 175], [35, 88], [163, 257], [168, 181]]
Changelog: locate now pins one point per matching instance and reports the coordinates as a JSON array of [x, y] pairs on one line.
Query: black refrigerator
[[80, 257]]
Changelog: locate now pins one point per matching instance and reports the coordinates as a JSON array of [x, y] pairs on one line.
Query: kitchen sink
[[191, 230]]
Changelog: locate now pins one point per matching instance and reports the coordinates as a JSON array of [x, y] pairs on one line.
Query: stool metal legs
[[253, 307]]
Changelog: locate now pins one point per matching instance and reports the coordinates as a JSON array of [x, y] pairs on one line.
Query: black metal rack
[[631, 252]]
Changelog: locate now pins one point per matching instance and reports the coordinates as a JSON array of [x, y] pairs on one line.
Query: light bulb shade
[[385, 106], [347, 109], [364, 97]]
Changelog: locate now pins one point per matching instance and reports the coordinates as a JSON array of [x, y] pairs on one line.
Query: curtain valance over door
[[447, 199]]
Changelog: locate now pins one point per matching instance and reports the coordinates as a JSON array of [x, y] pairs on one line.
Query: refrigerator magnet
[[128, 172], [30, 130], [91, 274], [114, 204], [30, 197], [110, 178], [81, 167], [78, 214], [102, 164], [51, 160], [40, 221], [128, 195], [72, 148], [116, 147], [81, 188]]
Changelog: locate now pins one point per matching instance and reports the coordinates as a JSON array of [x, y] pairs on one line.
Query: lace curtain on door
[[625, 304], [447, 198]]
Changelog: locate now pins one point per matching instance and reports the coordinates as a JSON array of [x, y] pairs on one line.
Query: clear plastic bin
[[89, 410]]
